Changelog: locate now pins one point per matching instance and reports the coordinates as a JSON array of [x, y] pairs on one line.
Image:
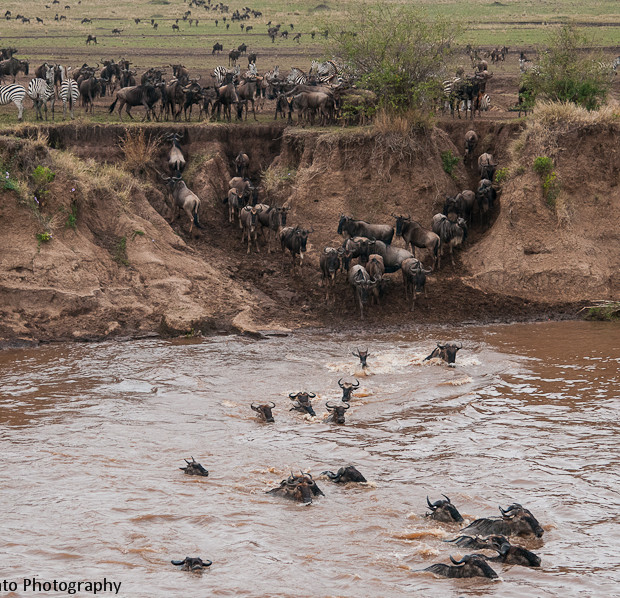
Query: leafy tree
[[397, 51], [569, 72]]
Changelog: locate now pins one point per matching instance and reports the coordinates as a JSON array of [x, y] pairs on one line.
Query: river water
[[92, 438]]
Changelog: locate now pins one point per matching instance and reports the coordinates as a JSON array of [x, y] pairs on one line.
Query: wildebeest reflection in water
[[471, 565], [192, 563], [345, 475], [444, 511], [298, 487], [515, 521], [194, 468], [264, 411]]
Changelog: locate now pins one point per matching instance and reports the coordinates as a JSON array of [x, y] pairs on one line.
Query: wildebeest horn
[[329, 406], [340, 381], [347, 407], [357, 383], [178, 562], [447, 498], [272, 404], [355, 354], [460, 347], [311, 395], [456, 562], [293, 396], [430, 505], [256, 409]]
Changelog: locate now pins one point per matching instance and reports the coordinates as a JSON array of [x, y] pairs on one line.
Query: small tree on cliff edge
[[397, 51], [569, 72]]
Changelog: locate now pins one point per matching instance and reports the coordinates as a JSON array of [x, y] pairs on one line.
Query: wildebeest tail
[[196, 218], [113, 104]]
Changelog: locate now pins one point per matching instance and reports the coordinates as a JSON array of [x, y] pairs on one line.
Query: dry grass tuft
[[139, 151], [273, 178], [567, 114]]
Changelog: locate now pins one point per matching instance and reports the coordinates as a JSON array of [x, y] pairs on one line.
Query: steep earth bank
[[117, 268]]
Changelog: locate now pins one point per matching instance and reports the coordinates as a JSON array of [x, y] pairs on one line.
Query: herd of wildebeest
[[493, 534], [369, 245]]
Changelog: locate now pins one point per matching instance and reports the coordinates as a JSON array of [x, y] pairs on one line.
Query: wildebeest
[[336, 412], [235, 204], [248, 217], [444, 511], [357, 247], [264, 411], [486, 166], [176, 161], [192, 563], [414, 279], [194, 468], [347, 389], [460, 206], [91, 38], [345, 475], [358, 228], [217, 47], [485, 196], [362, 285], [446, 352], [309, 103], [512, 555], [272, 220], [226, 97], [295, 239], [471, 565], [242, 163], [12, 66], [471, 140], [393, 257], [515, 521], [451, 234], [298, 487], [139, 95], [89, 90], [183, 198], [302, 402], [415, 236], [329, 262], [362, 356], [376, 269]]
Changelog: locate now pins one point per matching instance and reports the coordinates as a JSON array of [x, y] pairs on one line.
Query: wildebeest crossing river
[[93, 436]]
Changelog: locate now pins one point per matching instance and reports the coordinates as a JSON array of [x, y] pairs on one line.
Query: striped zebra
[[324, 71], [40, 92], [221, 72], [449, 87], [616, 64], [13, 93], [297, 77], [251, 73], [69, 94], [484, 103]]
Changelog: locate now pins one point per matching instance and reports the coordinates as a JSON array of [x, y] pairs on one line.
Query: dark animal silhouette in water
[[471, 565], [515, 521], [192, 563], [301, 488], [194, 468], [444, 511], [345, 475]]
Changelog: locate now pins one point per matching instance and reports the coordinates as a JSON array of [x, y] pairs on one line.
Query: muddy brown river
[[92, 438]]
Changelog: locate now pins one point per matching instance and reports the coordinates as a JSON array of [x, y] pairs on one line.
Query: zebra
[[13, 93], [449, 87], [221, 72], [616, 64], [41, 91], [251, 73], [69, 94], [325, 71], [297, 77]]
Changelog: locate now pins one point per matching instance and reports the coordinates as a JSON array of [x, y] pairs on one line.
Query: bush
[[41, 176], [449, 161], [44, 237], [569, 72], [502, 175], [543, 167], [397, 51]]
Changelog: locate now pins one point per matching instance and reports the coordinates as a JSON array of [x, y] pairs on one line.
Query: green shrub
[[41, 176], [44, 237], [502, 175], [543, 167], [449, 161]]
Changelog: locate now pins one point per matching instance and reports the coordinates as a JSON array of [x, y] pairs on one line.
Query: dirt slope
[[125, 272]]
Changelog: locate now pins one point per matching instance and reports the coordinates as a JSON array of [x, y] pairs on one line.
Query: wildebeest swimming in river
[[446, 352], [302, 402], [345, 475], [194, 468], [507, 553], [192, 563], [347, 389], [444, 511], [298, 487], [363, 356], [471, 565], [515, 521], [264, 411]]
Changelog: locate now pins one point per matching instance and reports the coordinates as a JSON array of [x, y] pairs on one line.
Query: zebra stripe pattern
[[220, 72], [325, 71], [13, 93], [485, 103], [69, 94], [297, 77], [40, 92]]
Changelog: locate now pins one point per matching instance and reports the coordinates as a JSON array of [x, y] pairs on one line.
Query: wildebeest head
[[264, 411], [400, 220], [337, 412], [193, 563], [513, 555], [341, 223], [363, 356], [446, 352], [522, 520], [345, 474], [347, 389], [282, 212], [194, 468], [303, 402], [298, 487], [444, 511]]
